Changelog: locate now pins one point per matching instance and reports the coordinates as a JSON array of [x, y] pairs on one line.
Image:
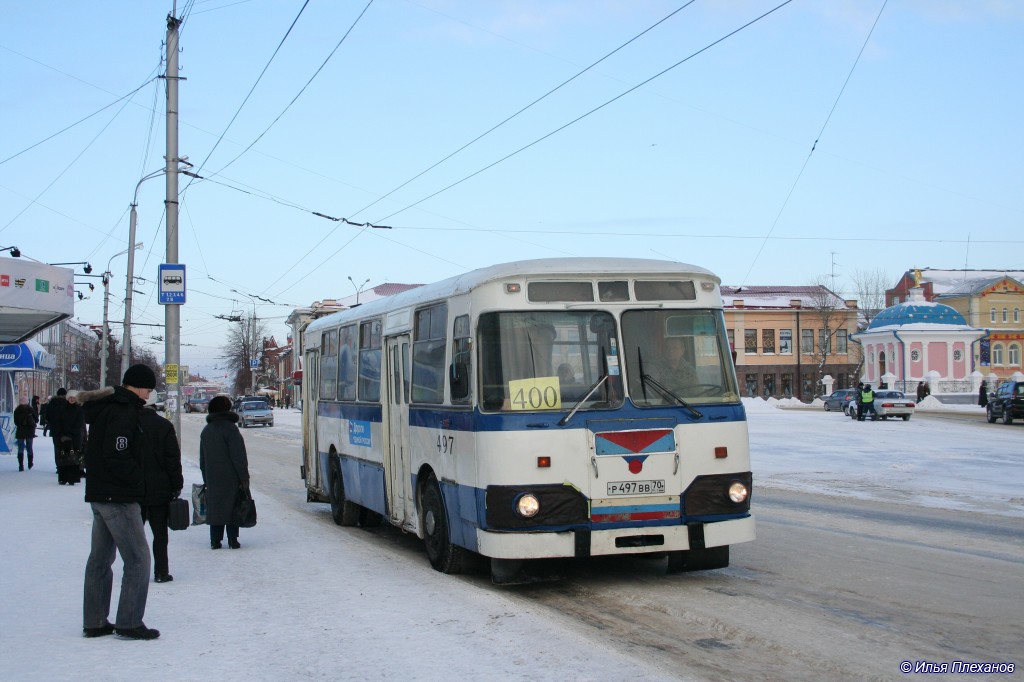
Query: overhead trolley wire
[[251, 90], [588, 113], [80, 121], [528, 106], [299, 93], [814, 146]]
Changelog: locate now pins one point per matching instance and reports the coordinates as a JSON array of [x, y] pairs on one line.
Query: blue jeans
[[25, 444], [116, 527]]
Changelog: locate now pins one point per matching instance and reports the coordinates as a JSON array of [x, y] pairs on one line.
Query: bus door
[[401, 503], [310, 437]]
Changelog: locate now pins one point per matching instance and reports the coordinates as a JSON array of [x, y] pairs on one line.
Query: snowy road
[[877, 543], [913, 552]]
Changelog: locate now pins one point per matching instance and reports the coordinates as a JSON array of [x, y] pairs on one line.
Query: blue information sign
[[171, 283]]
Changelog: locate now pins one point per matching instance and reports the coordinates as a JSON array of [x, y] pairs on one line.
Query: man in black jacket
[[162, 464], [115, 487]]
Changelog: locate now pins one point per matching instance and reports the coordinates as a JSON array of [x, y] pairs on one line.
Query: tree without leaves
[[832, 314], [244, 343], [871, 286]]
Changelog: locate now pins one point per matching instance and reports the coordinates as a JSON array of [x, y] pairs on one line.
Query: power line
[[82, 120], [251, 90], [528, 106], [821, 132], [592, 111], [302, 90]]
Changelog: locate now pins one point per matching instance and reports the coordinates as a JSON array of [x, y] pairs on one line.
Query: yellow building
[[786, 339], [993, 304]]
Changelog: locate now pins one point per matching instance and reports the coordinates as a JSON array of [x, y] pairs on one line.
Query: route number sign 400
[[542, 393]]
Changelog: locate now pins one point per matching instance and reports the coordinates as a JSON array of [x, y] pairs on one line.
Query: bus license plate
[[636, 487]]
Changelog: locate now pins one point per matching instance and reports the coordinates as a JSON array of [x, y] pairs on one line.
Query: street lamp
[[359, 288], [15, 251], [106, 304], [87, 269], [126, 341]]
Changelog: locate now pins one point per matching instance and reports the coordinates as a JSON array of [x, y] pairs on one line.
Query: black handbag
[[244, 513], [177, 514]]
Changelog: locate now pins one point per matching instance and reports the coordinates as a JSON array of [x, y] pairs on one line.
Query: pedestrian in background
[[24, 433], [67, 426], [225, 467], [115, 488], [983, 395], [164, 481], [42, 415]]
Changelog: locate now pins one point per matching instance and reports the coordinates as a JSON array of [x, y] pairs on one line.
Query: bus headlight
[[527, 505], [738, 492]]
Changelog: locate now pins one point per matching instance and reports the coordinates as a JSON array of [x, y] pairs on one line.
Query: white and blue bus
[[568, 407]]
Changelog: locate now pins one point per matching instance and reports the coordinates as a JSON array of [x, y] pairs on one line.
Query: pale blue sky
[[709, 163]]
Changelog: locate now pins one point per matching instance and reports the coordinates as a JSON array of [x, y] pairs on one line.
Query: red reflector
[[721, 452], [543, 462]]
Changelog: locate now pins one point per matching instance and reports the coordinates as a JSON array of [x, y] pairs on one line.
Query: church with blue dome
[[910, 342]]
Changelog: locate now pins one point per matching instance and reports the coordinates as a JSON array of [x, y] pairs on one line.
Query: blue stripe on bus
[[466, 419]]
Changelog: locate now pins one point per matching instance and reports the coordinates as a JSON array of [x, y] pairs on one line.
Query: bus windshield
[[548, 360], [677, 356]]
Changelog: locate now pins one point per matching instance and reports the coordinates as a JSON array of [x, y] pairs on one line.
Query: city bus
[[566, 407]]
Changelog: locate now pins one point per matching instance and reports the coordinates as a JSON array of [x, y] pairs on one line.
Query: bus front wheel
[[343, 512], [698, 559], [444, 555]]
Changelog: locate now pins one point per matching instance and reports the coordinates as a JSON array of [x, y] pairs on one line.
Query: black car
[[1007, 402]]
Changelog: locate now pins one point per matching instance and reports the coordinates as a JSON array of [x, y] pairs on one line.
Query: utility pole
[[106, 331], [172, 313]]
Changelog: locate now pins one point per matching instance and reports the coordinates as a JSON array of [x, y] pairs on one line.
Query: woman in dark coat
[[24, 431], [225, 467]]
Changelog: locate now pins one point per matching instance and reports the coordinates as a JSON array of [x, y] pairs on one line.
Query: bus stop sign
[[171, 283]]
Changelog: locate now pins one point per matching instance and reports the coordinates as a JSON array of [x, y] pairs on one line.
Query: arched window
[[992, 315], [1016, 314], [1006, 316], [997, 354], [1014, 355]]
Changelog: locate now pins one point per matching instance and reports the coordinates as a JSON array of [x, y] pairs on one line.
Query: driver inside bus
[[672, 368]]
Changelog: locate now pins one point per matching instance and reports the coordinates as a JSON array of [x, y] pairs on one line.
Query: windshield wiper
[[661, 388], [667, 393], [579, 403]]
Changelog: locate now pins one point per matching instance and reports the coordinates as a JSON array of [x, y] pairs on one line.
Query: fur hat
[[139, 376]]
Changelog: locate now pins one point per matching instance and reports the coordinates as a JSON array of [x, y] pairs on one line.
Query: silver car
[[889, 404], [253, 412]]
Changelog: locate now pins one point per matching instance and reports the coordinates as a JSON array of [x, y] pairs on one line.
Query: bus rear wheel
[[444, 555], [343, 512], [698, 559]]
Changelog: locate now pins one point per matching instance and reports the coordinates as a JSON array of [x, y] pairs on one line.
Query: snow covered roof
[[779, 296], [944, 281]]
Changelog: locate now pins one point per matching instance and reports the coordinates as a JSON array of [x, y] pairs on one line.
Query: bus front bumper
[[542, 545]]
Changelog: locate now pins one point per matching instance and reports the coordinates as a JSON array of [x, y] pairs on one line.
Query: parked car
[[838, 400], [253, 412], [889, 404], [198, 404], [1006, 403]]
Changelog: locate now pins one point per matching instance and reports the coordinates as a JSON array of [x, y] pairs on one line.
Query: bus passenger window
[[428, 351]]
